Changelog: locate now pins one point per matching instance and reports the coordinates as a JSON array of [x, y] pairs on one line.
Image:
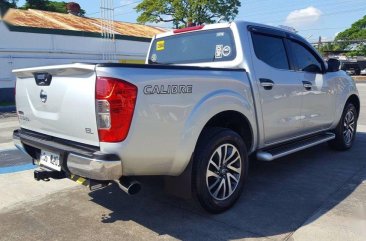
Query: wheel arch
[[234, 121], [354, 99], [207, 112]]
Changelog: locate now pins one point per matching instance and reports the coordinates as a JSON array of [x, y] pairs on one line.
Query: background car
[[352, 68]]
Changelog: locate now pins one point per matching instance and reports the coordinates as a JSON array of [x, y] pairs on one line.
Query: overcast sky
[[312, 18]]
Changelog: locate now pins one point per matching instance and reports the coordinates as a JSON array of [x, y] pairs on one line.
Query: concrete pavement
[[8, 123], [304, 190]]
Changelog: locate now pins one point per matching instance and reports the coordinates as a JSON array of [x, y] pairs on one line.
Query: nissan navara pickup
[[208, 98]]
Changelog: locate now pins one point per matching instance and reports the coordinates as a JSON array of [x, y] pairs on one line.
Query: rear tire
[[220, 169], [346, 129]]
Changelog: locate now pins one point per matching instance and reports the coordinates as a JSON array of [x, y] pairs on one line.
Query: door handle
[[307, 85], [267, 84]]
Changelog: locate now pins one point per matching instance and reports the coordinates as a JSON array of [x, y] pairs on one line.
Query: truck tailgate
[[58, 101]]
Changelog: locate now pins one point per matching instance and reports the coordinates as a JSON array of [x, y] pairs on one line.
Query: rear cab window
[[194, 47], [271, 50]]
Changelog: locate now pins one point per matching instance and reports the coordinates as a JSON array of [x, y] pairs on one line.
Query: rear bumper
[[82, 160]]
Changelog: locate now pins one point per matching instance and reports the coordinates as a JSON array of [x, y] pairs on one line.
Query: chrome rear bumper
[[85, 161], [94, 168]]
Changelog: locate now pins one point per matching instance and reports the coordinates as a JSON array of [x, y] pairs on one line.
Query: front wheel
[[220, 169], [346, 129]]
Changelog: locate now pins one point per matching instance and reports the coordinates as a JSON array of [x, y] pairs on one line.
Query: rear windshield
[[195, 47]]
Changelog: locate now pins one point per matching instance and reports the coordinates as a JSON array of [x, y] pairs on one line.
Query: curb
[[360, 81], [7, 108]]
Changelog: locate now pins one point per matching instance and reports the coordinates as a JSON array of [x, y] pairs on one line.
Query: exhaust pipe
[[130, 187]]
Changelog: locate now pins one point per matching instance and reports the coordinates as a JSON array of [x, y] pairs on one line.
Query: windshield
[[195, 47]]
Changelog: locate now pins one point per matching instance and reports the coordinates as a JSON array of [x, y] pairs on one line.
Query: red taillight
[[182, 30], [115, 104]]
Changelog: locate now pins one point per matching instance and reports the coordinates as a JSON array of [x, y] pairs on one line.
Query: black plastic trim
[[58, 145], [267, 31], [167, 66]]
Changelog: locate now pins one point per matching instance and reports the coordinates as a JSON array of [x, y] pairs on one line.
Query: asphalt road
[[316, 194]]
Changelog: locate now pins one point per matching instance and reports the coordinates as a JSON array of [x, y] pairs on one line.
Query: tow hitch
[[45, 175], [127, 185]]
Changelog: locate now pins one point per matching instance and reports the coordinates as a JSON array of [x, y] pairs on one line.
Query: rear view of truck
[[64, 114]]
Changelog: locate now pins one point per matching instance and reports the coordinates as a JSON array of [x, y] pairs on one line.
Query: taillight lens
[[115, 104]]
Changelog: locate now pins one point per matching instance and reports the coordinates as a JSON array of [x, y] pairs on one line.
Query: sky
[[311, 18]]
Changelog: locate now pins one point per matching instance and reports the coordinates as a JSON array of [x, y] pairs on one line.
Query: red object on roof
[[73, 8], [182, 30]]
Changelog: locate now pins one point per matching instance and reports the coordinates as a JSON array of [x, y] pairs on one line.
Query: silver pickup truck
[[207, 99]]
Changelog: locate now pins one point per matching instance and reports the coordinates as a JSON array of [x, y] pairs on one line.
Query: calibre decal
[[167, 89], [155, 89], [147, 90], [182, 88], [174, 89]]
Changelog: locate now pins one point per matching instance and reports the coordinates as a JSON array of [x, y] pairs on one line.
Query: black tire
[[342, 142], [207, 149]]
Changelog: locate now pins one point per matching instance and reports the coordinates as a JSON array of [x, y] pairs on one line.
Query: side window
[[305, 60], [270, 50]]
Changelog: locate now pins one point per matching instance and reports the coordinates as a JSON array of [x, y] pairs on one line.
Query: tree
[[354, 38], [52, 6], [182, 13], [36, 4], [5, 5]]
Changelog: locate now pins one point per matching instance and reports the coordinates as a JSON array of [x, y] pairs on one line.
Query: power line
[[329, 14], [290, 7], [119, 6], [326, 28]]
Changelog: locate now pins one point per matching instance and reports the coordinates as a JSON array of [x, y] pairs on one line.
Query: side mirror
[[333, 65]]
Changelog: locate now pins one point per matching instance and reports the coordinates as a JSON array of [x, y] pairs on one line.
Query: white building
[[31, 38]]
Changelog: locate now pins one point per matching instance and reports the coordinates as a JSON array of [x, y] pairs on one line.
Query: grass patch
[[2, 104]]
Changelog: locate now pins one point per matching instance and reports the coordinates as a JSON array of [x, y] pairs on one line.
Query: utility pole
[[319, 42], [107, 29]]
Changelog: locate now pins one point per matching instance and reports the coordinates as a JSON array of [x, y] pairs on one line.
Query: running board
[[277, 152]]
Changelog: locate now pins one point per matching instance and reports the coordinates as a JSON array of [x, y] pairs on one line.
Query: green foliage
[[355, 32], [348, 38], [183, 12], [52, 6], [5, 5], [36, 4]]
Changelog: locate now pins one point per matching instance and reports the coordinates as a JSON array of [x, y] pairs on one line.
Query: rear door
[[58, 101], [279, 89]]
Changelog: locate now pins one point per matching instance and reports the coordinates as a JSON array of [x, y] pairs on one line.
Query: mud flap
[[180, 186]]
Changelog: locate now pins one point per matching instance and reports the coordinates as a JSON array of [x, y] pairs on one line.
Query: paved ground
[[318, 194], [9, 122]]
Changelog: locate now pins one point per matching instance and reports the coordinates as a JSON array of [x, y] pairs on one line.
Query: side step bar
[[284, 150]]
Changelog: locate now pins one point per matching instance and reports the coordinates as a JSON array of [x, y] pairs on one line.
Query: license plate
[[50, 160]]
